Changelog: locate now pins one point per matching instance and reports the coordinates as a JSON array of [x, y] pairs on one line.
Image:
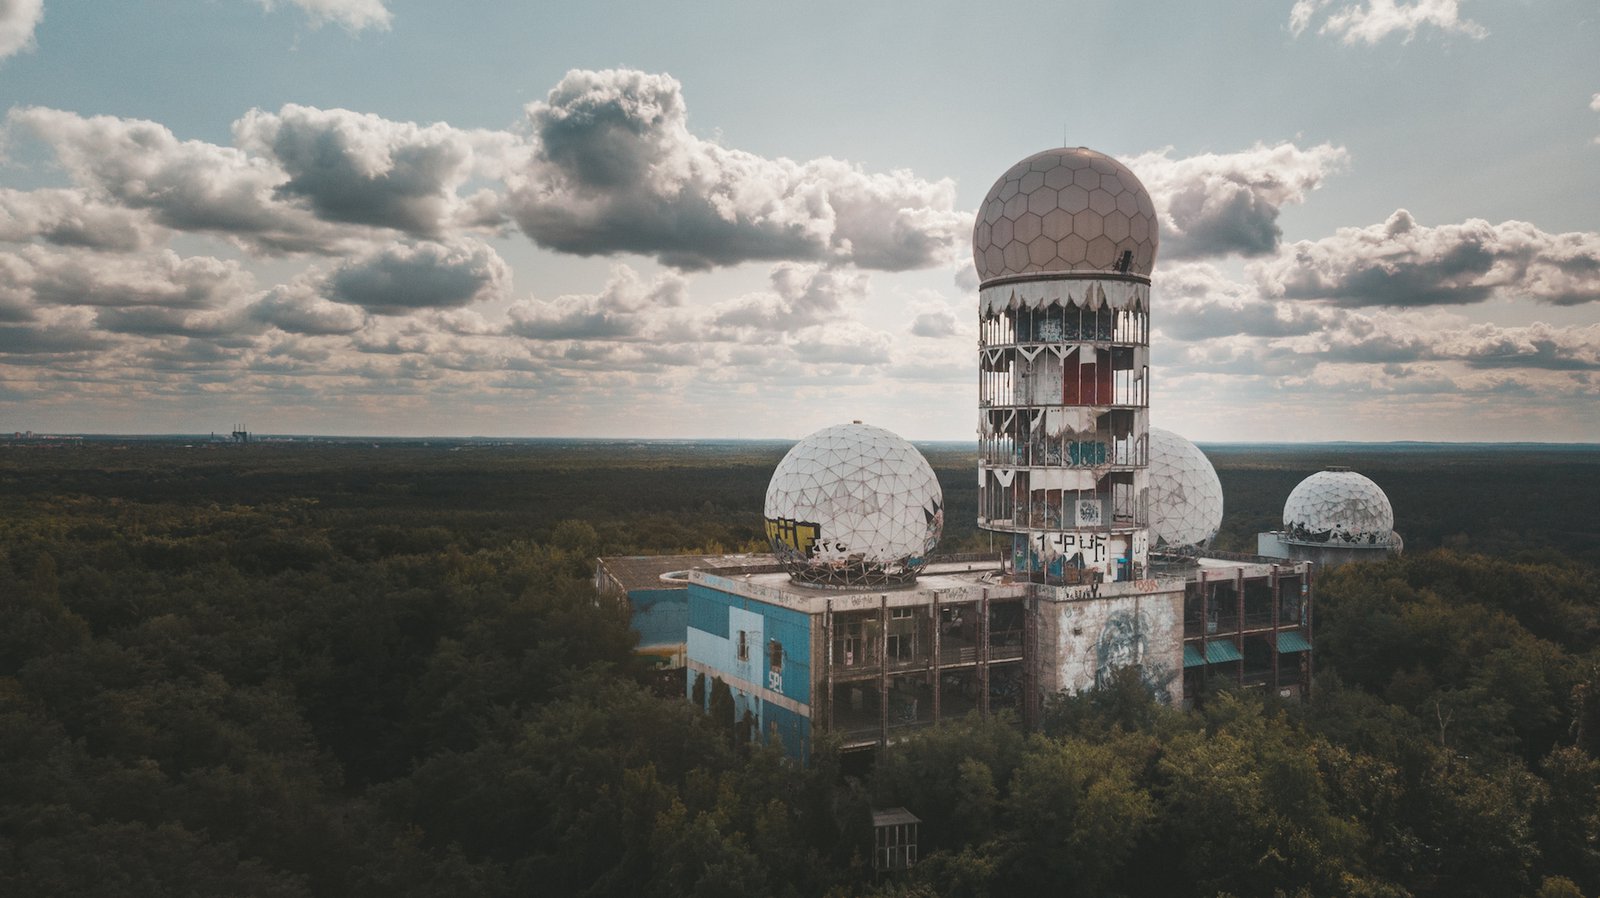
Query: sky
[[1380, 219]]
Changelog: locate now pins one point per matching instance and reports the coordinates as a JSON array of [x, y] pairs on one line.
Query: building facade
[[871, 666]]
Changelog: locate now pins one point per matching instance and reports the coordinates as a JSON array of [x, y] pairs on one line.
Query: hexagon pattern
[[1068, 209], [853, 504], [1185, 494], [1339, 505]]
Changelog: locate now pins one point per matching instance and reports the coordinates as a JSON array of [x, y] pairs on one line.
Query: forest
[[380, 669]]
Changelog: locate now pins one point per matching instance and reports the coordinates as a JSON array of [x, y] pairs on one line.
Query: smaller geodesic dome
[[853, 505], [1340, 507], [1185, 494]]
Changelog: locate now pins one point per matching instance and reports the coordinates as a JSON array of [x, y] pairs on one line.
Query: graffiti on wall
[[790, 538], [1125, 642], [1053, 553]]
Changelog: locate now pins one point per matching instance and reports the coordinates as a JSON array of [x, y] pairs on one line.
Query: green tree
[[1076, 812]]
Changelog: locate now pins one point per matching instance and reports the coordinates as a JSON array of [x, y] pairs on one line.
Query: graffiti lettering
[[1079, 593], [774, 681], [1145, 585], [790, 536]]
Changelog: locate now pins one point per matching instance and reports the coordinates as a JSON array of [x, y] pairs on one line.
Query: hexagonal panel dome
[[1339, 506], [1185, 494], [1093, 210], [853, 505]]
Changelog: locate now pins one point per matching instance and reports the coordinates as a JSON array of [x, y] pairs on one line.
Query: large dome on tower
[[1065, 210], [853, 505]]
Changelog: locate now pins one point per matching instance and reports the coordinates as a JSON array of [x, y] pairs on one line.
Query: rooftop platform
[[632, 572]]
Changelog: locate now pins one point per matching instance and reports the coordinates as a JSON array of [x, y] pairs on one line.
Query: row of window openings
[[899, 646], [774, 651]]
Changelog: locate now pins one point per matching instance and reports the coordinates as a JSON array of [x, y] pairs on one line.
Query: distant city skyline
[[390, 217]]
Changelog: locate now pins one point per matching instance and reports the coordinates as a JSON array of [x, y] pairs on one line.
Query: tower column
[[1064, 245]]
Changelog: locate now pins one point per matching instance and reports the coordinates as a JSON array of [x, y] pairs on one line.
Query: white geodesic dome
[[1185, 494], [1068, 209], [853, 504], [1339, 506]]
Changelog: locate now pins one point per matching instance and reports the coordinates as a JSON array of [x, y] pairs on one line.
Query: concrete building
[[852, 629], [873, 664]]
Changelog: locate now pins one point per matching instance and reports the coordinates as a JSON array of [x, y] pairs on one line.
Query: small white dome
[[1339, 506], [854, 504], [1185, 494]]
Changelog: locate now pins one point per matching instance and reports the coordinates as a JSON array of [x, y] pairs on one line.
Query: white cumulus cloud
[[1370, 21], [352, 14], [1215, 204], [18, 18], [624, 309], [404, 277], [363, 169], [615, 169], [1403, 263]]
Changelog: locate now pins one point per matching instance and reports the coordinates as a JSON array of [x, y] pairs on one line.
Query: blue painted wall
[[715, 619], [660, 616], [792, 730]]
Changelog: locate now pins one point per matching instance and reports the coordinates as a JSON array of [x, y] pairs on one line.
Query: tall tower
[[1064, 245]]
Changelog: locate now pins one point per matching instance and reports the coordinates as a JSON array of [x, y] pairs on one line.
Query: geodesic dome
[[1067, 209], [1339, 506], [853, 505], [1185, 494]]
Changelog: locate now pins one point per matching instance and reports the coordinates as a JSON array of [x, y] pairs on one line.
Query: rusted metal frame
[[1030, 656], [1306, 617], [1205, 632], [883, 670], [938, 678], [1276, 601], [827, 637], [1238, 632], [983, 652]]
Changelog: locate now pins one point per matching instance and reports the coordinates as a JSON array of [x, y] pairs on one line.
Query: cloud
[[609, 167], [1370, 21], [1406, 338], [60, 278], [1594, 104], [46, 340], [164, 321], [18, 18], [69, 217], [622, 310], [301, 311], [615, 169], [848, 344], [936, 323], [1219, 204], [185, 185], [1219, 340], [1403, 263], [405, 277], [363, 169], [1196, 301], [354, 15], [801, 296], [1538, 345]]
